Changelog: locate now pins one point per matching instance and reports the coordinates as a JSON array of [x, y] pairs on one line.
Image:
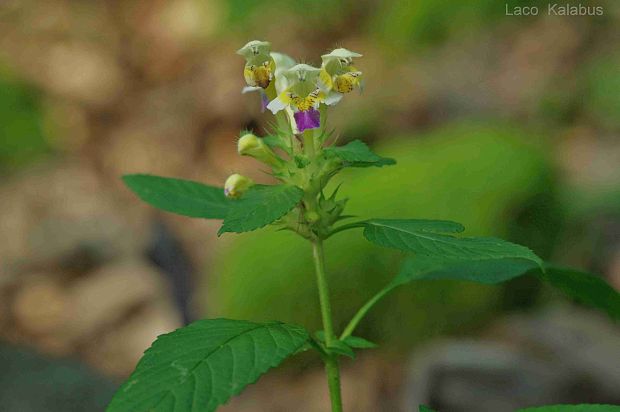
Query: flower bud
[[250, 145], [236, 185], [312, 217]]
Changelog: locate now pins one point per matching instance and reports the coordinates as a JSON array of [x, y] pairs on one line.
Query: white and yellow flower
[[259, 65], [338, 75], [263, 68], [298, 89], [300, 96]]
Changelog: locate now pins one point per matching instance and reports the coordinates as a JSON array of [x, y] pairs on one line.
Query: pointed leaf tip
[[183, 197], [431, 238]]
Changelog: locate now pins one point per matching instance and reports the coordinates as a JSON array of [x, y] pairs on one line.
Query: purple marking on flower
[[309, 119], [264, 101]]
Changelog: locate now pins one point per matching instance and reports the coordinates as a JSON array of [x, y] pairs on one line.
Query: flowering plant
[[200, 366]]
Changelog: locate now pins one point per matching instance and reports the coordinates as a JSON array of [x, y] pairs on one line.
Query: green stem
[[331, 361], [309, 143], [333, 382], [363, 310], [342, 228]]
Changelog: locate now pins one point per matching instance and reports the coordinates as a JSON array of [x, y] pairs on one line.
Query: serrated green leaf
[[199, 367], [183, 197], [430, 238], [419, 225], [420, 267], [489, 271], [440, 255], [356, 342], [484, 260], [584, 287], [357, 154], [573, 408], [260, 206], [425, 409]]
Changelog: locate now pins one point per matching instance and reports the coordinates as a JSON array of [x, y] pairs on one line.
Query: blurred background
[[508, 124]]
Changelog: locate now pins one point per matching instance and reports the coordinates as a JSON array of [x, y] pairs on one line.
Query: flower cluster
[[298, 89], [298, 95]]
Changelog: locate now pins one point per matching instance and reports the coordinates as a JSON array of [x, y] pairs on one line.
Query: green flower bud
[[236, 185], [312, 217], [250, 145]]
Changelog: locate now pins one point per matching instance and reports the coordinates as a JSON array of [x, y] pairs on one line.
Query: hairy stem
[[331, 361]]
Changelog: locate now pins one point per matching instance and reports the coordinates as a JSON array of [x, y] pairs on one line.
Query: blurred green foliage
[[21, 131], [397, 24], [602, 95], [325, 12], [402, 24], [471, 173]]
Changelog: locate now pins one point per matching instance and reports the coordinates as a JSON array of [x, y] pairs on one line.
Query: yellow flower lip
[[258, 75]]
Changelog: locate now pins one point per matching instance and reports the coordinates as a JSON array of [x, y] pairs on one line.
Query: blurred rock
[[66, 125], [584, 341], [117, 352], [83, 72], [104, 297], [147, 144], [75, 274], [368, 385], [564, 355], [480, 376], [587, 161], [40, 304], [166, 34], [533, 60], [70, 204], [53, 346]]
